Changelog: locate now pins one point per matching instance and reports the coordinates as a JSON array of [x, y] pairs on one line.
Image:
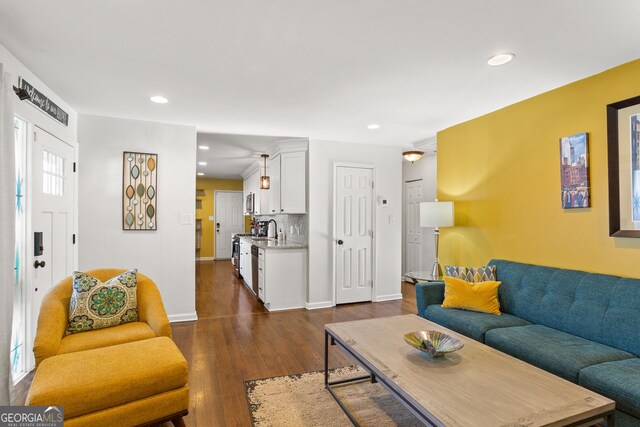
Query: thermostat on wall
[[384, 202]]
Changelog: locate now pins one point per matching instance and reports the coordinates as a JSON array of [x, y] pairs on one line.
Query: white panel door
[[354, 234], [414, 237], [229, 220], [52, 202]]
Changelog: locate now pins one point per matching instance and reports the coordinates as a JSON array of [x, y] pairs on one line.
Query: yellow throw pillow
[[480, 296]]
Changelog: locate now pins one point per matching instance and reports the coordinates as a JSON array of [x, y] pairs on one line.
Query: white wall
[[33, 114], [426, 170], [167, 255], [388, 236]]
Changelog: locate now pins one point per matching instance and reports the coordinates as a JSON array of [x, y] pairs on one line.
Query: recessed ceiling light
[[200, 174], [202, 163], [373, 126], [500, 59], [159, 99], [203, 147]]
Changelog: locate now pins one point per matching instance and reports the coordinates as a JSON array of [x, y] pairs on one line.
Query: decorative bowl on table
[[433, 343]]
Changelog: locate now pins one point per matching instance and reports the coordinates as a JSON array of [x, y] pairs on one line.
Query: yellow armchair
[[54, 315]]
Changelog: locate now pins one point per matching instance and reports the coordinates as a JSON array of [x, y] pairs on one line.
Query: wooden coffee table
[[475, 386]]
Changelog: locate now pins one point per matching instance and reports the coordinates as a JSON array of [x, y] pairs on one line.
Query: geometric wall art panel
[[139, 191]]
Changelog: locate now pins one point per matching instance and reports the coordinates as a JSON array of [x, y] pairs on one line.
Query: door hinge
[[371, 283], [74, 166], [373, 185], [35, 136], [73, 239]]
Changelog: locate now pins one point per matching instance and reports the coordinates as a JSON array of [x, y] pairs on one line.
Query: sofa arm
[[52, 322], [428, 293], [150, 307]]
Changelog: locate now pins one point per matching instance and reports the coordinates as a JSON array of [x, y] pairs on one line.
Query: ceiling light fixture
[[413, 156], [203, 147], [200, 174], [159, 99], [265, 182], [373, 126], [500, 59], [202, 163]]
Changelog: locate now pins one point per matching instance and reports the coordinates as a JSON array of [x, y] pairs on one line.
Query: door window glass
[[18, 337], [52, 174]]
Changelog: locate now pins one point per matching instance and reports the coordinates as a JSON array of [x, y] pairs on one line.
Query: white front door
[[52, 199], [354, 234], [229, 220], [414, 236]]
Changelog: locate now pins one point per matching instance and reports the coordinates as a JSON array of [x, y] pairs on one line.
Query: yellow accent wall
[[208, 249], [502, 170]]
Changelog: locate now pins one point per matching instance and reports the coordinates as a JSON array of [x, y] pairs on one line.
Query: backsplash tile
[[286, 221]]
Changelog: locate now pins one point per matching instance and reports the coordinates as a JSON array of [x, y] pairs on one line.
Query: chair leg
[[178, 422]]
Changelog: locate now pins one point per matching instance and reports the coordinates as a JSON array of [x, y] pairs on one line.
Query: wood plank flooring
[[236, 339]]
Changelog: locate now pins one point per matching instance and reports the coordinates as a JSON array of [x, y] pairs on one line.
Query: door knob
[[38, 264], [340, 242]]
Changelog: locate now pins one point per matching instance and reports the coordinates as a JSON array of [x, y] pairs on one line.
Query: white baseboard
[[389, 297], [317, 305], [204, 258], [189, 317]]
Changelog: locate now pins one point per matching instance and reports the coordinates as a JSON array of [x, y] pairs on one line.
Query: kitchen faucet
[[276, 224]]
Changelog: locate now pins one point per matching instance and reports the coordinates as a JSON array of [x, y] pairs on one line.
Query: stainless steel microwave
[[249, 203]]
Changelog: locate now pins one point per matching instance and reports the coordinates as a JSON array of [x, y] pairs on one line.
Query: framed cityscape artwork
[[139, 191], [623, 149], [574, 171]]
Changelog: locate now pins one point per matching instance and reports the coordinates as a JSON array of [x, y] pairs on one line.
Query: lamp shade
[[436, 214]]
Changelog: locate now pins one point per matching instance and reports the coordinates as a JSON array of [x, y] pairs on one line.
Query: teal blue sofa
[[580, 326]]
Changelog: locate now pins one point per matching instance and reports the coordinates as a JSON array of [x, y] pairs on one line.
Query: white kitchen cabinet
[[245, 262], [293, 182], [274, 192], [261, 274], [255, 189], [246, 184], [284, 278]]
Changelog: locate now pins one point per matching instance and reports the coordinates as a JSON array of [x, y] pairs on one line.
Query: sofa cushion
[[554, 351], [619, 381], [92, 380], [486, 273], [480, 296], [470, 323], [597, 307], [128, 332], [95, 304]]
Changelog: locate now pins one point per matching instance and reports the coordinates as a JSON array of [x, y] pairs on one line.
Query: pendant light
[[265, 182], [413, 156]]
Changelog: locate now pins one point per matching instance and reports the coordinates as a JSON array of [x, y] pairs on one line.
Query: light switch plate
[[187, 219], [211, 218], [392, 219]]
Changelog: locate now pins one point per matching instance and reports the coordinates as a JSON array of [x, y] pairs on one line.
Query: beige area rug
[[301, 400]]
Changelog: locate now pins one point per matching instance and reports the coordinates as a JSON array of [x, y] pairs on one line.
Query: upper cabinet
[[274, 196], [293, 182], [287, 170]]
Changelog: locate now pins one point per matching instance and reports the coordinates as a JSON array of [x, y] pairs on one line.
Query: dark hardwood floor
[[236, 339]]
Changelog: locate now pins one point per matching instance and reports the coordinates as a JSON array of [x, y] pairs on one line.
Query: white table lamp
[[436, 214]]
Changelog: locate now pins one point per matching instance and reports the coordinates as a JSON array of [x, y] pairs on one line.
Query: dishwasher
[[254, 269]]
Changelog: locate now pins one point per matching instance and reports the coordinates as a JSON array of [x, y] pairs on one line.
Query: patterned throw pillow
[[96, 305], [485, 273]]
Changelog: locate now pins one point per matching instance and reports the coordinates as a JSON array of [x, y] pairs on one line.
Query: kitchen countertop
[[266, 243]]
